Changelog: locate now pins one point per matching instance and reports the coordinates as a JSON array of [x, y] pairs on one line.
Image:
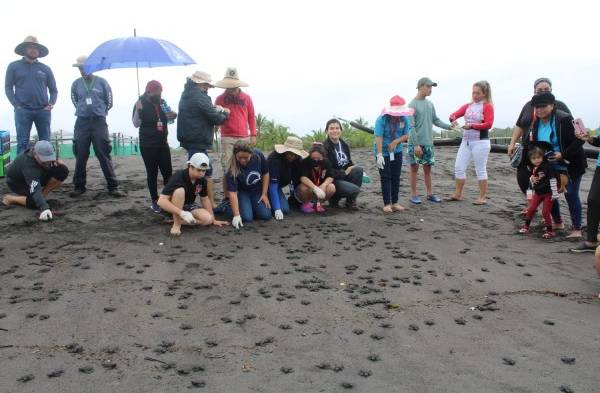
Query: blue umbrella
[[129, 52]]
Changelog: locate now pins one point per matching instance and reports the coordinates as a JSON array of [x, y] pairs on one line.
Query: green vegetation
[[271, 133]]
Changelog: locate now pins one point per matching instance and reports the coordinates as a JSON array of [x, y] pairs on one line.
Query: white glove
[[237, 222], [319, 193], [278, 214], [46, 215], [187, 217], [380, 161]]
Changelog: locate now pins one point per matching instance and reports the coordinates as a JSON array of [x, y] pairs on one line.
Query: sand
[[439, 298]]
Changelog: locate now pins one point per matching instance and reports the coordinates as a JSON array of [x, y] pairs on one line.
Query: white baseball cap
[[199, 161]]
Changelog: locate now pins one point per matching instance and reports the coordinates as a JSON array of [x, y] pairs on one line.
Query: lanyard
[[157, 110], [88, 89], [316, 174]]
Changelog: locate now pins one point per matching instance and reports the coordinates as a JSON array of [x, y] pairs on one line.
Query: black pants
[[156, 158], [593, 208], [58, 172], [349, 186], [92, 131]]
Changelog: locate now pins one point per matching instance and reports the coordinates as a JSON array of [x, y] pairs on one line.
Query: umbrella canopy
[[129, 52]]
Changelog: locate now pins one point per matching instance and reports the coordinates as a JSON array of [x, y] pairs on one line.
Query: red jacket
[[488, 116], [241, 122]]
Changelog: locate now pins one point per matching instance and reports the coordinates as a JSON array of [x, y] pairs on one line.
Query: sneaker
[[116, 193], [415, 199], [434, 198], [307, 208], [155, 208], [524, 229], [351, 204], [583, 248], [319, 208], [334, 202], [77, 192]]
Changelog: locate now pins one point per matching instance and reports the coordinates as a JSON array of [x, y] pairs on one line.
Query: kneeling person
[[32, 176], [179, 196]]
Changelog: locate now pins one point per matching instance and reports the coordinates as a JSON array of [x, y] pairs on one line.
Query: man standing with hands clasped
[[92, 97], [27, 85]]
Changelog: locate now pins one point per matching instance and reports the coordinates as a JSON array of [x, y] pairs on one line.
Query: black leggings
[[593, 208], [156, 158]]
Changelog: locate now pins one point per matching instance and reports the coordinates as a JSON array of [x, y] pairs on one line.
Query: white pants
[[479, 152]]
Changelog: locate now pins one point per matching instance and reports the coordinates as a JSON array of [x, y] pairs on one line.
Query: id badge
[[88, 101], [159, 126], [391, 156], [529, 194]]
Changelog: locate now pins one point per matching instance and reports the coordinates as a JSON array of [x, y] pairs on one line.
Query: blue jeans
[[573, 201], [192, 151], [24, 119], [250, 207], [390, 179]]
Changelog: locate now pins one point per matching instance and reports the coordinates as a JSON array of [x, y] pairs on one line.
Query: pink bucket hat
[[397, 107]]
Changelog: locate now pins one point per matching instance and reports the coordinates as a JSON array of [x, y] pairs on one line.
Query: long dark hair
[[318, 147], [332, 121]]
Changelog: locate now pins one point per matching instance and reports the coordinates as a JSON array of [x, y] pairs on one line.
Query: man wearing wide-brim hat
[[92, 97], [241, 124], [28, 82], [197, 117]]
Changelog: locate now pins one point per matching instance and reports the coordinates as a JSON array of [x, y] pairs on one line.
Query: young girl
[[316, 183], [475, 145], [391, 130], [543, 189]]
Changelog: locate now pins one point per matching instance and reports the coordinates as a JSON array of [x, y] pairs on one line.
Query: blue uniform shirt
[[27, 85]]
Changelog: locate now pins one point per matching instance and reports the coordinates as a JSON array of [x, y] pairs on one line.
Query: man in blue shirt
[[92, 97], [27, 85]]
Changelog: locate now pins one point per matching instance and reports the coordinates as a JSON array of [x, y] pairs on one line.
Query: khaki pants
[[227, 143]]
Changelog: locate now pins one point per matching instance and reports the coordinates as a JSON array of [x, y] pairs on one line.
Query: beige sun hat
[[292, 144], [31, 40], [201, 77], [80, 61], [231, 80]]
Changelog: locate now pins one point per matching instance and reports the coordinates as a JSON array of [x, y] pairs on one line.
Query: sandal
[[524, 229], [398, 207], [549, 234], [452, 199]]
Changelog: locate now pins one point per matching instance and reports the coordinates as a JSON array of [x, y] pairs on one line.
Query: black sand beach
[[440, 298]]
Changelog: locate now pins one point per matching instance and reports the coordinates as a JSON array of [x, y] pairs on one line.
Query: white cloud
[[310, 60]]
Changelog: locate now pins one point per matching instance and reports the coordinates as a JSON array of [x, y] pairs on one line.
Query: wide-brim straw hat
[[31, 40], [201, 77], [80, 61], [231, 80], [397, 108], [293, 145]]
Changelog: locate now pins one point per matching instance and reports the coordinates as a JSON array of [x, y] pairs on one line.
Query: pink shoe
[[319, 208], [307, 208]]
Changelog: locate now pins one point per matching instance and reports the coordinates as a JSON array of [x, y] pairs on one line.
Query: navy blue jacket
[[196, 119], [27, 85]]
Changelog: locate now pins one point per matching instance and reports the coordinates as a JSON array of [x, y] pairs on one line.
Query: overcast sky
[[306, 61]]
